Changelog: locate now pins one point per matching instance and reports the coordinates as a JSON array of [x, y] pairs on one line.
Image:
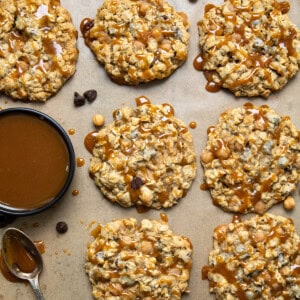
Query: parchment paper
[[195, 216]]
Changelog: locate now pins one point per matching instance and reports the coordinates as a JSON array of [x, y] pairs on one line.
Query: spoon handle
[[34, 282]]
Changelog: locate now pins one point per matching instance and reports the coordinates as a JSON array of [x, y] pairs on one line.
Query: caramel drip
[[142, 100], [71, 131], [80, 162], [222, 269], [91, 140], [75, 193], [141, 209], [168, 109], [210, 129], [85, 26], [193, 124], [236, 219], [204, 187]]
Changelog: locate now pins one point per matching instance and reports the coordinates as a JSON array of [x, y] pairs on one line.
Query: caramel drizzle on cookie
[[258, 240], [16, 41], [255, 62]]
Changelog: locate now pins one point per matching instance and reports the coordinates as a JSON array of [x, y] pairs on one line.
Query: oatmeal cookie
[[137, 41], [145, 157], [248, 46], [252, 159], [255, 259], [37, 48], [132, 260]]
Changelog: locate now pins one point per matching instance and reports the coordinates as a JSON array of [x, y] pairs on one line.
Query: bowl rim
[[8, 210]]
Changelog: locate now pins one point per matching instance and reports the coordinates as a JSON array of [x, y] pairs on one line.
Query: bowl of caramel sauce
[[37, 161]]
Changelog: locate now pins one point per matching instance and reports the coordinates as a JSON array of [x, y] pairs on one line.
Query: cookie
[[138, 260], [137, 41], [255, 259], [145, 157], [252, 159], [37, 48], [248, 46]]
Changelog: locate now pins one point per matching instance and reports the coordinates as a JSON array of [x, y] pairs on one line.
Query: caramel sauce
[[210, 129], [212, 87], [258, 116], [91, 140], [204, 187], [267, 275], [34, 168], [295, 270], [16, 41], [236, 219], [141, 209], [6, 273], [220, 233], [164, 217], [204, 272], [40, 245], [143, 36], [193, 124], [85, 26], [222, 269], [163, 196], [95, 232], [75, 193], [52, 47], [80, 162], [18, 255], [198, 62], [71, 131], [208, 7], [284, 7], [43, 67], [282, 236], [142, 100], [169, 109], [255, 62]]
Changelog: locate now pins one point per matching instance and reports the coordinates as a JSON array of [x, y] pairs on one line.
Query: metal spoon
[[14, 233]]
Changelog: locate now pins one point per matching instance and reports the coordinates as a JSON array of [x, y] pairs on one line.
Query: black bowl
[[8, 212]]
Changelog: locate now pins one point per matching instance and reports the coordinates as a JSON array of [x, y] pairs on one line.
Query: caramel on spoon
[[22, 258]]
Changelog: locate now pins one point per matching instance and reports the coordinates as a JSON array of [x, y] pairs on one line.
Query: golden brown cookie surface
[[252, 159], [37, 48], [138, 41], [249, 47], [145, 157], [255, 259], [138, 260]]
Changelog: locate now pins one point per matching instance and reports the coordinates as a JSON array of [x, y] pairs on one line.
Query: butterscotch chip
[[146, 156], [255, 259], [37, 48], [249, 46], [252, 159], [137, 41], [138, 260]]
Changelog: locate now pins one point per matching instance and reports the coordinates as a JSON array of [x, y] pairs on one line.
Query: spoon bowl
[[17, 246]]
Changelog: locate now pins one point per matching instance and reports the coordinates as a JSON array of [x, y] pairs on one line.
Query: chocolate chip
[[136, 183], [78, 99], [90, 95], [61, 227]]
